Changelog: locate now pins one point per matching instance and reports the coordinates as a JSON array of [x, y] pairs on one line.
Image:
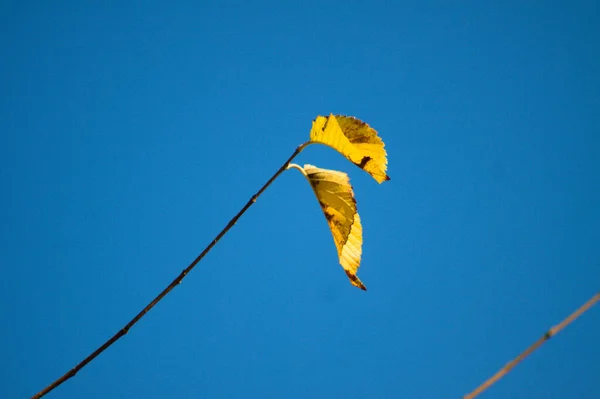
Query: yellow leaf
[[355, 140], [335, 195]]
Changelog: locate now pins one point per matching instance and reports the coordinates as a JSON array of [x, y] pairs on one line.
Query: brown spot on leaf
[[355, 280], [364, 162], [325, 125], [328, 215]]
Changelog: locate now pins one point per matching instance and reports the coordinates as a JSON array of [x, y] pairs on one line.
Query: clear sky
[[133, 131]]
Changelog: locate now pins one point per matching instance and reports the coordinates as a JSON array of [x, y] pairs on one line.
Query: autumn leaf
[[336, 197], [355, 140]]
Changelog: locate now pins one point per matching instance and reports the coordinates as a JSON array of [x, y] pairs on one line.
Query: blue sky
[[132, 132]]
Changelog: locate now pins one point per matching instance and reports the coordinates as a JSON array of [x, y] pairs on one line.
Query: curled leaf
[[355, 140], [336, 197]]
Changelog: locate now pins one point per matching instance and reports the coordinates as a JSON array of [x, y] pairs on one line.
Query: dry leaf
[[355, 140], [335, 195]]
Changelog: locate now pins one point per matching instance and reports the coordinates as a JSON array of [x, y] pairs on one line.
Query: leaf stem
[[549, 334], [300, 168], [71, 373]]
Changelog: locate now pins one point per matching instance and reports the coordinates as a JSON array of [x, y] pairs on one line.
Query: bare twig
[[549, 334], [173, 284]]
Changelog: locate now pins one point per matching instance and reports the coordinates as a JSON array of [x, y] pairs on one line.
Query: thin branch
[[549, 334], [173, 284]]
